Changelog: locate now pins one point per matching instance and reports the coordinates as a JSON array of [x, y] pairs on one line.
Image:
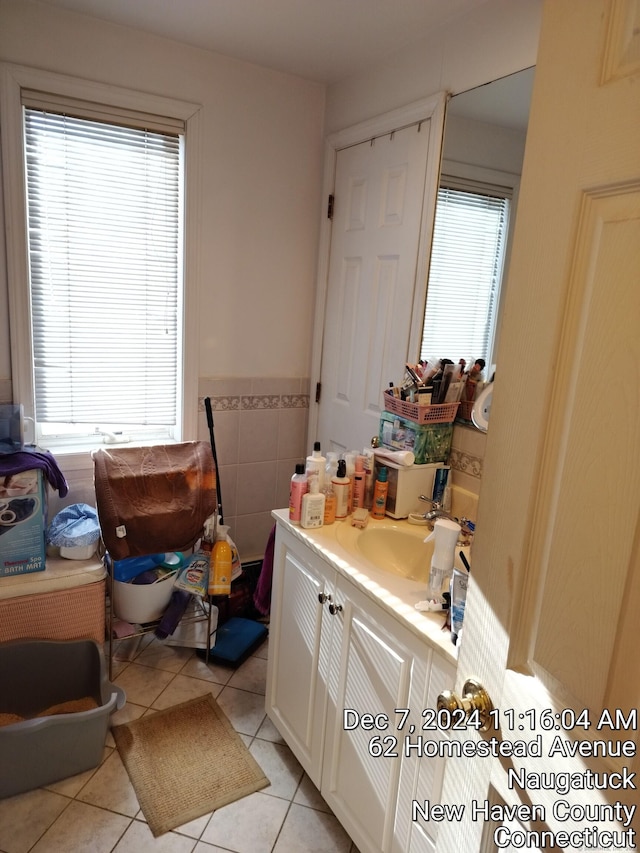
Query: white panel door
[[552, 615], [383, 213]]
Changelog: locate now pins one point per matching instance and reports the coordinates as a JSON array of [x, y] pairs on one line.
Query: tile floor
[[98, 812]]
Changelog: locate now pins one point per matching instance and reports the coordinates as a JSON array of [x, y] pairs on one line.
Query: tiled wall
[[260, 431], [467, 459]]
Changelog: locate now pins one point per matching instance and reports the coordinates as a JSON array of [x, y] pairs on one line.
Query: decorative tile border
[[294, 401], [221, 404], [255, 402], [466, 463]]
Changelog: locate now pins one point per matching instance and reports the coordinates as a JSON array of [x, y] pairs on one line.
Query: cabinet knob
[[335, 608], [322, 597], [475, 698]]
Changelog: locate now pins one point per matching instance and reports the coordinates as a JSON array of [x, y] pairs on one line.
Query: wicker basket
[[441, 413]]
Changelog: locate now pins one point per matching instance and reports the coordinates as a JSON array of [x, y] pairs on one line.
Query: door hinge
[[318, 390], [330, 207]]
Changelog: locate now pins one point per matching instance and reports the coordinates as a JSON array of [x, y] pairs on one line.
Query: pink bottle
[[299, 487]]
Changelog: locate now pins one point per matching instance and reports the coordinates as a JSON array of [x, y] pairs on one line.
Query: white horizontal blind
[[104, 221], [465, 274]]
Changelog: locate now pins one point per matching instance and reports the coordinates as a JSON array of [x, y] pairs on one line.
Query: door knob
[[335, 608], [474, 698]]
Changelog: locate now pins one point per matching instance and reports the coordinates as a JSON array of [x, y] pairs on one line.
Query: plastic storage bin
[[440, 413], [145, 602], [37, 675], [428, 442]]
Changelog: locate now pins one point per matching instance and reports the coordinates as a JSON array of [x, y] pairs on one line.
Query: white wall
[[495, 39], [261, 174]]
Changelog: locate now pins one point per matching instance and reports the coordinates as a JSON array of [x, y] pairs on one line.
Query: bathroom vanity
[[352, 664]]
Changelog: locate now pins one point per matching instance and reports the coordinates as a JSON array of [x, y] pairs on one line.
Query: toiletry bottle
[[369, 461], [331, 467], [445, 533], [359, 483], [380, 494], [440, 480], [341, 487], [329, 503], [312, 514], [220, 566], [299, 486], [316, 462], [350, 459], [447, 494]]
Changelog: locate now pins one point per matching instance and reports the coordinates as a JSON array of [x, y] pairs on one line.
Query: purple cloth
[[262, 595], [25, 460]]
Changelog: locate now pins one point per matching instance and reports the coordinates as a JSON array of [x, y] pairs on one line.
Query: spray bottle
[[445, 533]]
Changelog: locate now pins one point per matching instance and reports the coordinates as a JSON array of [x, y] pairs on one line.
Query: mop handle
[[207, 406]]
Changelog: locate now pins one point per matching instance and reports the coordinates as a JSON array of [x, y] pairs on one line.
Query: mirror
[[483, 151]]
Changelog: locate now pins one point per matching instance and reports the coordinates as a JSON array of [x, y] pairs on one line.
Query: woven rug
[[186, 761]]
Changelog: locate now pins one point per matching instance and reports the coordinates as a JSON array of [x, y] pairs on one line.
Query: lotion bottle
[[312, 514], [341, 487], [329, 503], [380, 494], [359, 483], [350, 460], [299, 486], [316, 463], [369, 464]]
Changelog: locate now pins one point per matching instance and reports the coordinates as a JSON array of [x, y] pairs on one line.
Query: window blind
[[104, 214], [467, 258]]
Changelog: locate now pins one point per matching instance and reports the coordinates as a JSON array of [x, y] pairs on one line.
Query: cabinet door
[[299, 650], [421, 777], [371, 669]]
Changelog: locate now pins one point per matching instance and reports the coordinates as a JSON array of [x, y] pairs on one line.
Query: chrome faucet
[[437, 512]]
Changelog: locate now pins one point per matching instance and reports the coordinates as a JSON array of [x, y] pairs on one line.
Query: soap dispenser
[[445, 533]]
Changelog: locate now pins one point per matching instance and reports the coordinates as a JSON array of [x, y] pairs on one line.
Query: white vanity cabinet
[[336, 655]]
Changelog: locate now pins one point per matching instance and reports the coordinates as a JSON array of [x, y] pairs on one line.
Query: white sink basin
[[390, 547]]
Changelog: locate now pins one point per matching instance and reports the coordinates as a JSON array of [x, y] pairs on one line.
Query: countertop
[[395, 594]]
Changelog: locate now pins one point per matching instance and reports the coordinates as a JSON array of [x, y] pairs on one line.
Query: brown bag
[[154, 499]]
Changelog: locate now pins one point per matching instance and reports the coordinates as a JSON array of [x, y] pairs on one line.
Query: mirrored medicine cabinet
[[483, 151]]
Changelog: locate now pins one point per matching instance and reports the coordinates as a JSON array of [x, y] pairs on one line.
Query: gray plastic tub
[[36, 675]]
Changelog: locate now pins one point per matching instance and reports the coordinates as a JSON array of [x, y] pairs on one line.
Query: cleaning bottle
[[221, 565], [316, 462], [342, 487], [299, 486], [380, 494], [445, 533], [312, 514]]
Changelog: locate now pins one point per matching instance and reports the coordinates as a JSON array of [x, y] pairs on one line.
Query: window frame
[[477, 175], [13, 79]]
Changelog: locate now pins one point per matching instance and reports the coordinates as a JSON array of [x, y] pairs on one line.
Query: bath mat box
[[36, 675], [22, 524]]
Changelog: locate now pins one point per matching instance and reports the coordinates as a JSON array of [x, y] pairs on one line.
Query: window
[[104, 228], [467, 261], [103, 344]]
